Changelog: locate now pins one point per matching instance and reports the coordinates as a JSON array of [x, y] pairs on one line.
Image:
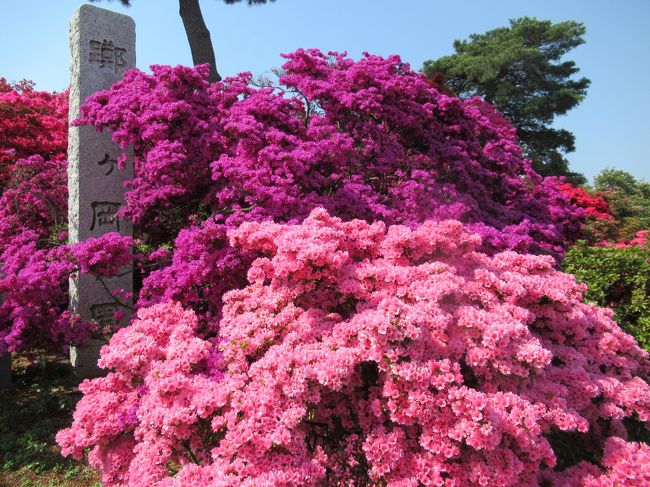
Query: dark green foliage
[[573, 447], [519, 70], [23, 439], [39, 403], [618, 278]]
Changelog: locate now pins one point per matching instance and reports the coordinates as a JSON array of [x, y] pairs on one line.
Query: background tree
[[197, 32], [629, 200], [518, 69]]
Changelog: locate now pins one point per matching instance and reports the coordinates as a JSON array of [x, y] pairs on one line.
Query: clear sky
[[612, 125]]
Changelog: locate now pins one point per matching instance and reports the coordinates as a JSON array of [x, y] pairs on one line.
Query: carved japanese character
[[95, 52], [106, 52], [119, 57], [108, 161], [104, 314], [105, 214]]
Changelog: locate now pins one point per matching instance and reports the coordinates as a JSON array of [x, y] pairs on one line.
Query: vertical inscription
[[102, 45]]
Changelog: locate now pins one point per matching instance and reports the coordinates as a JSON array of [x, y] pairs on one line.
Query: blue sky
[[612, 125]]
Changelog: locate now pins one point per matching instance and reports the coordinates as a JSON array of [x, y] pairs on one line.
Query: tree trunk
[[199, 36]]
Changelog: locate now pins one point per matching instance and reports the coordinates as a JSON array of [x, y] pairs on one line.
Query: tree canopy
[[519, 69]]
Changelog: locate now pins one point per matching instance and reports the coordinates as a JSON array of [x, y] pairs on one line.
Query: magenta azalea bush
[[367, 139], [366, 354], [36, 263]]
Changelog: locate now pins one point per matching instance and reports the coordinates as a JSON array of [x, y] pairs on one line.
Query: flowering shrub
[[594, 205], [33, 215], [31, 123], [640, 240], [360, 353], [616, 269], [368, 139], [629, 200], [600, 223], [33, 276]]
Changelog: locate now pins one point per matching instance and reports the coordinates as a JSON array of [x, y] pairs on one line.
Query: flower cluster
[[34, 267], [31, 123], [366, 139], [369, 139], [594, 205], [640, 240], [364, 353], [103, 256]]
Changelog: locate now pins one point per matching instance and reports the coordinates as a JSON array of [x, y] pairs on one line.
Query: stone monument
[[5, 370], [102, 44]]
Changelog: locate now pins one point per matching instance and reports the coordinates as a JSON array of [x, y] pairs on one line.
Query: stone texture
[[102, 45], [84, 359], [5, 370]]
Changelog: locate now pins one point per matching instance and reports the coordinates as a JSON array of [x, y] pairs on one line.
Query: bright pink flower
[[362, 353]]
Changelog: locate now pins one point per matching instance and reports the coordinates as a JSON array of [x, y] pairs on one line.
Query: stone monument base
[[5, 371], [84, 359]]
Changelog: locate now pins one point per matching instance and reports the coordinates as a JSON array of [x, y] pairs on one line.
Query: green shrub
[[618, 278]]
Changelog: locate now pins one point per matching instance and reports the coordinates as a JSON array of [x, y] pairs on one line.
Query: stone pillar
[[5, 370], [102, 44]]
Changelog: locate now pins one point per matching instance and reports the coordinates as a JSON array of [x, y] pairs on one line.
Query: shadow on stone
[[84, 359]]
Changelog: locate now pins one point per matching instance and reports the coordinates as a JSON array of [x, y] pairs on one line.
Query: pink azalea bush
[[363, 353]]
